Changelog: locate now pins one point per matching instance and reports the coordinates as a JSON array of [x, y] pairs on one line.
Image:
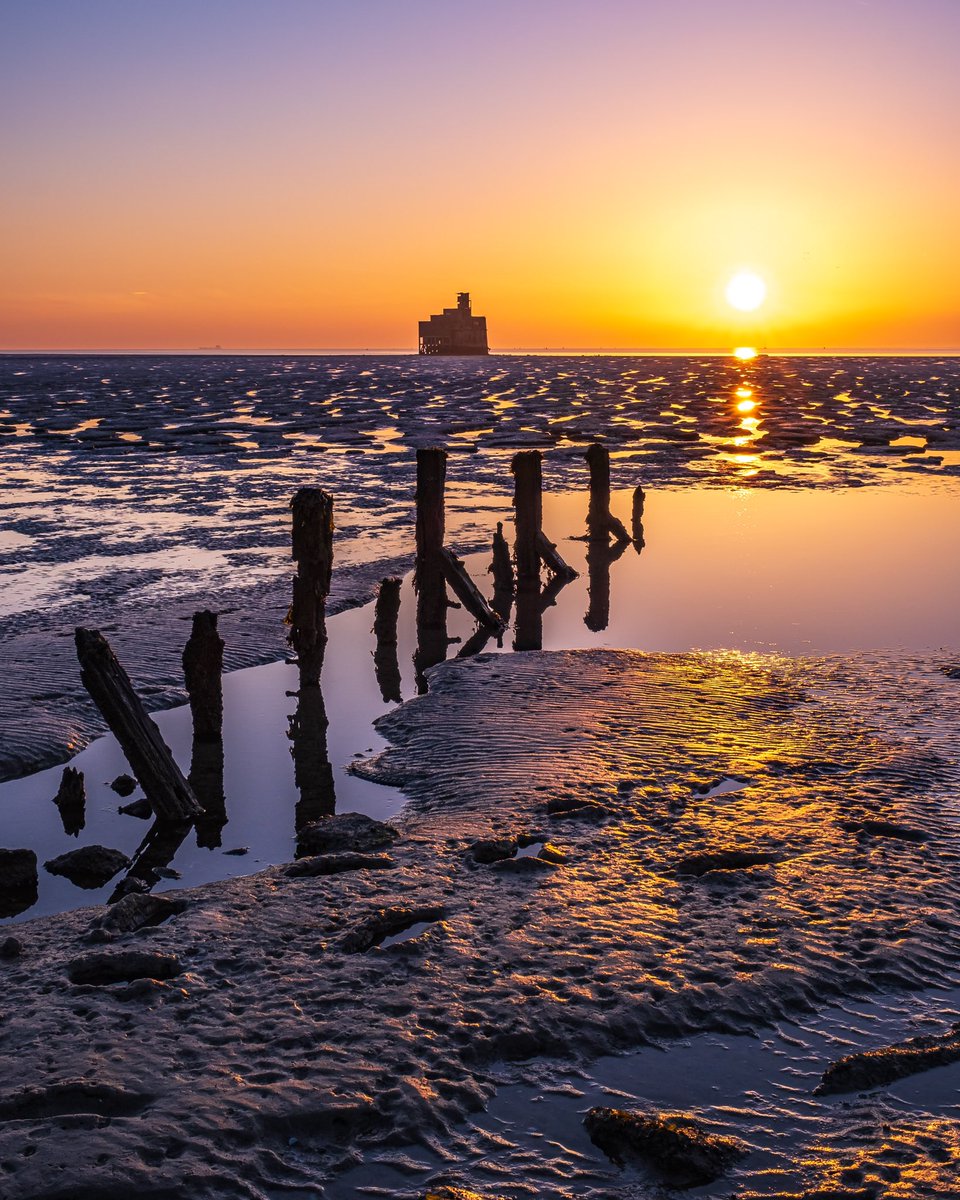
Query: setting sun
[[746, 291]]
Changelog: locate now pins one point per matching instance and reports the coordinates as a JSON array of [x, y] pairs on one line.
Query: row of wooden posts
[[171, 795]]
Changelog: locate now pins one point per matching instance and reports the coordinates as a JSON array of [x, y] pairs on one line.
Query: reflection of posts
[[638, 501], [528, 509], [311, 761], [385, 660], [71, 801], [600, 556], [601, 523], [502, 570], [206, 779], [154, 854], [313, 552], [203, 674], [428, 578]]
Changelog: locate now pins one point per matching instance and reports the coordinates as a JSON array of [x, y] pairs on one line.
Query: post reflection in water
[[312, 771], [600, 557], [152, 857], [385, 661], [206, 780]]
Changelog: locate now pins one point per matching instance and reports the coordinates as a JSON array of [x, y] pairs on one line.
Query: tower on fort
[[455, 331]]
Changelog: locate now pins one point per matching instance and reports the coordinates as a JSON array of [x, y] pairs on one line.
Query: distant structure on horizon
[[455, 331]]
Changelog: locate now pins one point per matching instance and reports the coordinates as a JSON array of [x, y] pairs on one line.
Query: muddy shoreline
[[283, 1044]]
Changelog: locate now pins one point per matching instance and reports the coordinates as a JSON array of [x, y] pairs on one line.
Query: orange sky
[[322, 175]]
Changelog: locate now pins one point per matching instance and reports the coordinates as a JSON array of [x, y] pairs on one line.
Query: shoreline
[[248, 1060]]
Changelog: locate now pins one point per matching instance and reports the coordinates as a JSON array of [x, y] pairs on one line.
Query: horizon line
[[403, 351]]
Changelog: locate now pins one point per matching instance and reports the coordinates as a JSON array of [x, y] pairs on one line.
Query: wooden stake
[[203, 672], [528, 507], [313, 551], [111, 690], [601, 523]]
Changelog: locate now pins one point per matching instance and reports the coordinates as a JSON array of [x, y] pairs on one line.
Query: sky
[[322, 173]]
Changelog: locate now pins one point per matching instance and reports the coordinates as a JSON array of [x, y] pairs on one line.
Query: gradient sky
[[321, 173]]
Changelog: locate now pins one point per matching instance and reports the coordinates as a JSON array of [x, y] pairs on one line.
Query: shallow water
[[789, 572]]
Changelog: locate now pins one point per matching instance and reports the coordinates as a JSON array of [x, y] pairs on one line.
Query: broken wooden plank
[[467, 591], [552, 559], [150, 760]]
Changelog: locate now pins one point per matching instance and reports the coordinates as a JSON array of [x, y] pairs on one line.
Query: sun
[[746, 291]]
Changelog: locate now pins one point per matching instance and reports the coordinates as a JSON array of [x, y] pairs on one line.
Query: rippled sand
[[278, 1054]]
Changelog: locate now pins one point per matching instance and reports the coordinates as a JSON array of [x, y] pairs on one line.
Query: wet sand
[[278, 1051]]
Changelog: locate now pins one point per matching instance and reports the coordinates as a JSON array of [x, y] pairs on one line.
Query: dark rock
[[384, 923], [18, 869], [676, 1146], [137, 808], [352, 832], [124, 785], [89, 866], [132, 885], [725, 860], [238, 851], [886, 829], [876, 1068], [136, 911], [336, 864], [575, 806], [11, 947], [530, 864], [120, 966], [489, 850]]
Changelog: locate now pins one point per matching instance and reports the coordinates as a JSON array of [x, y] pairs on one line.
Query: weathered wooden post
[[313, 552], [637, 520], [110, 688], [203, 673], [385, 661], [428, 576], [528, 509], [601, 523]]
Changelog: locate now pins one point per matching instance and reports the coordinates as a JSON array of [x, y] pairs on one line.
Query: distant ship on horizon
[[455, 331]]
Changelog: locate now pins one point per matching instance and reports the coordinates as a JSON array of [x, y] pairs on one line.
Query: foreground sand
[[283, 1046]]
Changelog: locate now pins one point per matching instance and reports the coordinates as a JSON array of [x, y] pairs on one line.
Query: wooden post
[[111, 690], [428, 575], [313, 551], [528, 507], [203, 673], [385, 662], [637, 521], [601, 523]]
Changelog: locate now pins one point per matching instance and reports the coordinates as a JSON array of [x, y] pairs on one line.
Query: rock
[[124, 785], [136, 911], [335, 864], [676, 1146], [89, 866], [120, 966], [11, 947], [875, 1068], [530, 864], [18, 869], [574, 806], [137, 808], [724, 860], [238, 851], [384, 923], [489, 850], [351, 832]]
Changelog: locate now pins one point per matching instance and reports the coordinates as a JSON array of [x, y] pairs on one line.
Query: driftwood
[[467, 591], [551, 558], [145, 750], [203, 674], [313, 552], [601, 523]]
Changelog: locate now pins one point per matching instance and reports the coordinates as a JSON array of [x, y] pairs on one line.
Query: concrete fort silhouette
[[455, 331]]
